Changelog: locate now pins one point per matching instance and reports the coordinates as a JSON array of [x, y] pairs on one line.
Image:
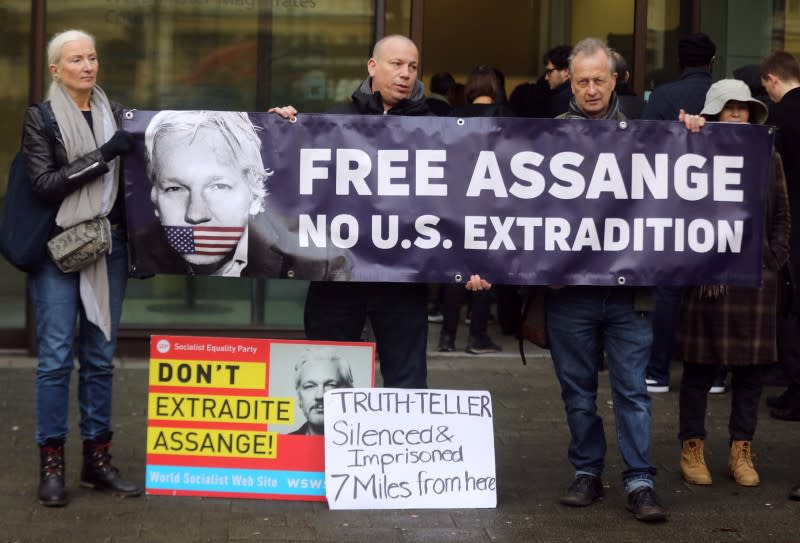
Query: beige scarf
[[96, 197]]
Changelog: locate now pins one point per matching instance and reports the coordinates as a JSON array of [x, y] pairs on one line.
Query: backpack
[[27, 221]]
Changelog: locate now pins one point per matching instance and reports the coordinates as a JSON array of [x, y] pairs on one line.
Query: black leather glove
[[119, 144]]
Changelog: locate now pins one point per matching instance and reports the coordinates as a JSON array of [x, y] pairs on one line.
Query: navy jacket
[[688, 93]]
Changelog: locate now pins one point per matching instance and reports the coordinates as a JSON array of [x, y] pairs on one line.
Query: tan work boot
[[741, 464], [693, 463]]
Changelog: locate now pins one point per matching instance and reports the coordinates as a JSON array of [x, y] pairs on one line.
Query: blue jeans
[[582, 322], [665, 318], [57, 306]]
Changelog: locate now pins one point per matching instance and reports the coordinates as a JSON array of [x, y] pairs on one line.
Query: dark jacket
[[687, 93], [302, 431], [786, 116], [560, 99], [365, 102], [438, 106], [531, 100], [629, 103], [482, 110], [52, 175]]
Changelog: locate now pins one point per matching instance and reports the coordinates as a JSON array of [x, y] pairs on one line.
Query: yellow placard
[[202, 408], [201, 373], [209, 442]]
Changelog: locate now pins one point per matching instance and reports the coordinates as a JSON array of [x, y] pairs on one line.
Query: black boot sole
[[112, 491], [54, 503]]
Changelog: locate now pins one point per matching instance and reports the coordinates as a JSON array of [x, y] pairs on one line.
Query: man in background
[[439, 100], [557, 75], [780, 75], [688, 93]]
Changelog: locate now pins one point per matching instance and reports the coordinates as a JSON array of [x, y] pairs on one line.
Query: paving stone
[[531, 440]]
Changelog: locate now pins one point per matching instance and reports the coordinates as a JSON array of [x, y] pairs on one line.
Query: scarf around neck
[[95, 198], [613, 112]]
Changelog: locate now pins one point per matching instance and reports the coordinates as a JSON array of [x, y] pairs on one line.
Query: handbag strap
[[49, 123]]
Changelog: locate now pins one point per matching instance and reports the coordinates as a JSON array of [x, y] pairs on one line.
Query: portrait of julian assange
[[209, 186], [318, 371]]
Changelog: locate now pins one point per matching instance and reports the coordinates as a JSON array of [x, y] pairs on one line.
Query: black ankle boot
[[97, 471], [51, 476]]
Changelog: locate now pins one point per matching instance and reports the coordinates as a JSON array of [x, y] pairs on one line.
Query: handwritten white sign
[[409, 449]]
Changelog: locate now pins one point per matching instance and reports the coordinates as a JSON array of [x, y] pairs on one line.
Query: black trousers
[[745, 395], [399, 317], [454, 298], [789, 354]]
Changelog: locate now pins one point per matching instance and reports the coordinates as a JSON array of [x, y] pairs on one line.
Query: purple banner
[[434, 199]]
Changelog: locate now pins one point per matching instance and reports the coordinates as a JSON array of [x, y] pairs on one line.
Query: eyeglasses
[[548, 71]]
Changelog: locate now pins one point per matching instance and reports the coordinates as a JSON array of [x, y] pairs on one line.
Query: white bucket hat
[[725, 90]]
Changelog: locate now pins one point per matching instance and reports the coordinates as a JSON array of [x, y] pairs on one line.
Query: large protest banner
[[244, 418], [386, 198]]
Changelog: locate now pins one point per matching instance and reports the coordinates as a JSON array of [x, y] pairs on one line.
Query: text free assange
[[649, 175]]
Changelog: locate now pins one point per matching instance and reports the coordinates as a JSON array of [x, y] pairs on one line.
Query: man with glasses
[[556, 73]]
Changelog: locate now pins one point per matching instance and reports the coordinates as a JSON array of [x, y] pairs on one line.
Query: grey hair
[[55, 46], [57, 42], [589, 47], [328, 354], [235, 128]]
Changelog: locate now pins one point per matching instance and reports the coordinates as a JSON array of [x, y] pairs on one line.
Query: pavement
[[531, 439]]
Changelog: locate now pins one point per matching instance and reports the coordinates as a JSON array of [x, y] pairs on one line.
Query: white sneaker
[[657, 389], [650, 381], [717, 389]]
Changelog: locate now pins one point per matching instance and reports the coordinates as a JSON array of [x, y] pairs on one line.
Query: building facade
[[248, 55]]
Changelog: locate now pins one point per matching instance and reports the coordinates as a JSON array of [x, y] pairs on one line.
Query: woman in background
[[482, 91]]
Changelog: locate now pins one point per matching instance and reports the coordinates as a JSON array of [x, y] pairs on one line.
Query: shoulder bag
[[27, 220]]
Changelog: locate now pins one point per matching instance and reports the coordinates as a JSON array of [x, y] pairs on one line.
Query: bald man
[[397, 311]]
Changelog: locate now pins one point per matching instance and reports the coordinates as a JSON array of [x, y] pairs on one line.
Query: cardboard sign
[[243, 418], [409, 449]]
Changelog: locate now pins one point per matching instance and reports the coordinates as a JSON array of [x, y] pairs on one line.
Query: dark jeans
[[665, 318], [58, 307], [399, 317], [582, 322], [745, 394], [789, 354], [454, 298]]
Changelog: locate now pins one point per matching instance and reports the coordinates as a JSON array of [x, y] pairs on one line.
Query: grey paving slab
[[530, 445]]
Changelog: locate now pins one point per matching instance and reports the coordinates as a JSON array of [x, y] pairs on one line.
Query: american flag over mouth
[[203, 240]]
